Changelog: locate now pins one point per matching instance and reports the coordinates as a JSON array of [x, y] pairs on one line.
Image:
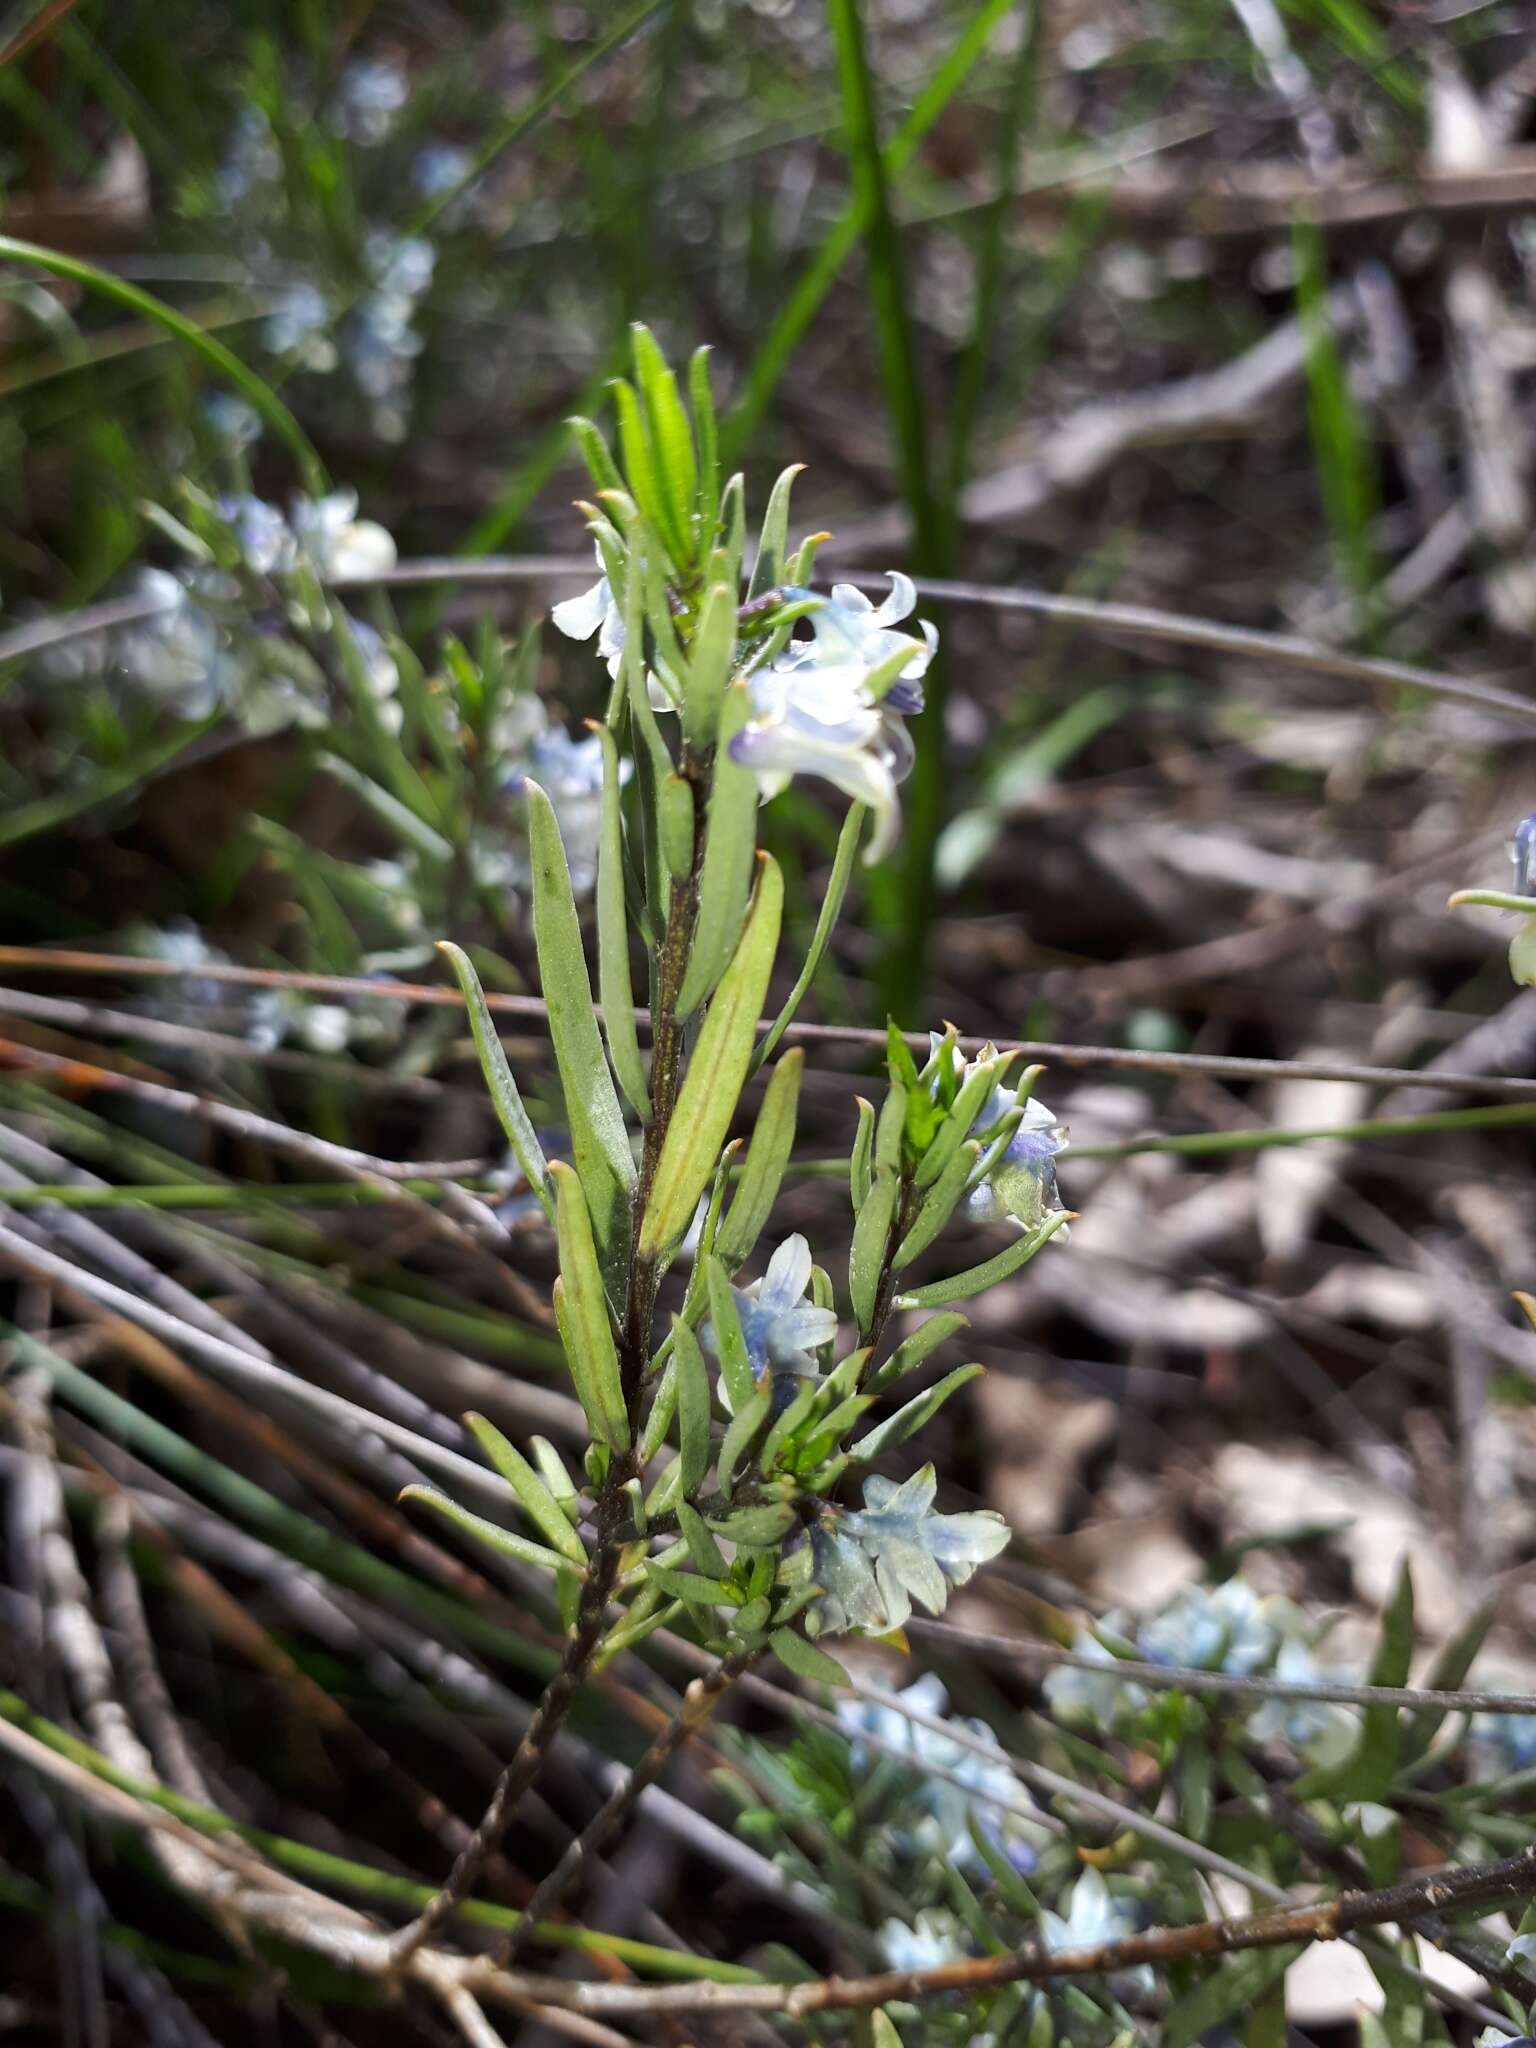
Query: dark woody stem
[[612, 1506], [699, 1702]]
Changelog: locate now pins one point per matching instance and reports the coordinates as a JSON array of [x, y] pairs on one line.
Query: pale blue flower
[[1495, 2037], [935, 1937], [1021, 1186], [1504, 1743], [570, 773], [439, 167], [1094, 1915], [261, 533], [781, 1328], [1099, 1698], [823, 721], [1524, 853], [1225, 1629], [299, 325], [848, 630], [873, 1562], [371, 95], [1304, 1724], [939, 1816]]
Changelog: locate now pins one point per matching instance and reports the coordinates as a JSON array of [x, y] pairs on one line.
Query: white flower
[[595, 611], [936, 1937], [1094, 1916], [340, 547], [823, 721], [780, 1326], [848, 630]]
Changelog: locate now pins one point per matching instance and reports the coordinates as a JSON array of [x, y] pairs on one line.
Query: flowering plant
[[735, 1486]]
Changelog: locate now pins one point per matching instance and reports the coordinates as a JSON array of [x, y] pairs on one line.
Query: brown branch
[[315, 1922]]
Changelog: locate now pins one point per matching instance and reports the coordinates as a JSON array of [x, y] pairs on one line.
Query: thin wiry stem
[[700, 1700], [529, 1757], [1186, 1678], [1516, 1088]]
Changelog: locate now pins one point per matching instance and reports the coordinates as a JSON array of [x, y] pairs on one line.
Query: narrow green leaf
[[689, 1586], [976, 1279], [706, 1553], [594, 452], [725, 875], [599, 1140], [744, 1426], [866, 1260], [826, 924], [642, 475], [861, 1170], [769, 566], [663, 1407], [707, 435], [254, 389], [505, 1099], [969, 1103], [692, 1405], [752, 1619], [538, 1503], [757, 1527], [552, 1468], [1367, 1772], [889, 1127], [670, 434], [613, 980], [773, 1137], [914, 1415], [731, 1345], [709, 666], [397, 816], [787, 1426], [733, 527], [581, 1309], [676, 825], [490, 1533], [938, 1205], [716, 1072], [806, 1661]]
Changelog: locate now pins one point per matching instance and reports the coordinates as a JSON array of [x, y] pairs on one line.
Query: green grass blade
[[255, 390]]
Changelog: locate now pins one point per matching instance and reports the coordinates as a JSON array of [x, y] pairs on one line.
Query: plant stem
[[528, 1758], [612, 1505], [699, 1702]]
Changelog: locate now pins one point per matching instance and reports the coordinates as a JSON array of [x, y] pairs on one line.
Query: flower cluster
[[831, 705], [212, 635], [834, 705], [976, 1795], [1227, 1628], [1020, 1183]]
